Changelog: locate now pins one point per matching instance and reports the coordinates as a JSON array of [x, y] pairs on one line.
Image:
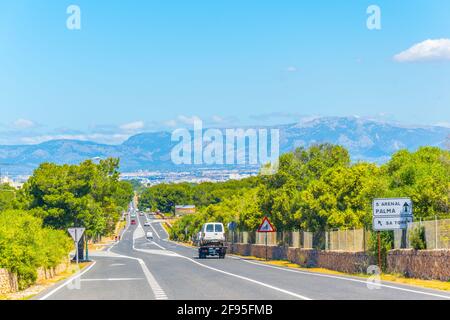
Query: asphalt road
[[137, 268]]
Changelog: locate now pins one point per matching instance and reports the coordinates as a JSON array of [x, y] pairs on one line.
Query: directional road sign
[[391, 207], [391, 213], [395, 223]]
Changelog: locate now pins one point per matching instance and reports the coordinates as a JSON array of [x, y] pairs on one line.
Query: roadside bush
[[26, 246], [417, 238]]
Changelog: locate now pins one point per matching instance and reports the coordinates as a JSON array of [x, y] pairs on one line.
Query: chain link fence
[[437, 233], [437, 236], [344, 240]]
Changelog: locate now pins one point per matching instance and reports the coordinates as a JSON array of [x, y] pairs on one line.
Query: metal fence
[[437, 235], [344, 240]]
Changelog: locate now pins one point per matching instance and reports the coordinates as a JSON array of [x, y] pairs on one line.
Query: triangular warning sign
[[266, 226]]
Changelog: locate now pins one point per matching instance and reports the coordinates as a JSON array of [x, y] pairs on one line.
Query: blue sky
[[151, 65]]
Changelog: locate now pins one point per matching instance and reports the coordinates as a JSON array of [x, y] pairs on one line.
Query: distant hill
[[365, 139]]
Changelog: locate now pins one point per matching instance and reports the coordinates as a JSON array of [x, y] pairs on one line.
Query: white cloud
[[97, 137], [23, 124], [443, 124], [188, 120], [428, 50], [292, 69], [132, 126], [217, 119], [170, 123]]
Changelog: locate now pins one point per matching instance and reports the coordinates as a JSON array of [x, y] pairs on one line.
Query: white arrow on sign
[[392, 207], [76, 233], [391, 223]]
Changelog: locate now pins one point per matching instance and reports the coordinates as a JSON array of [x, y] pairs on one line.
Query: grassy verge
[[41, 285], [431, 284]]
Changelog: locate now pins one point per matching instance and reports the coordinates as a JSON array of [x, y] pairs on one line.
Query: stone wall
[[350, 262], [422, 264], [8, 282], [257, 250], [43, 274]]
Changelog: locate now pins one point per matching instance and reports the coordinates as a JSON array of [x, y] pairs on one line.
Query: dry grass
[[431, 284]]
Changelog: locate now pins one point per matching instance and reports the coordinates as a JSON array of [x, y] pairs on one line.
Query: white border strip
[[346, 279], [79, 274]]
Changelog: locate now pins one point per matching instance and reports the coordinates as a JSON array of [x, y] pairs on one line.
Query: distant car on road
[[133, 221], [149, 235], [147, 224]]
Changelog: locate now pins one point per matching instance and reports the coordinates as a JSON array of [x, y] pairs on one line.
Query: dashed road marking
[[111, 279]]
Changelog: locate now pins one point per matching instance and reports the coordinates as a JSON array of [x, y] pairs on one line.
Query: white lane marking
[[248, 279], [237, 276], [111, 279], [324, 275], [77, 275], [116, 264], [346, 279], [154, 285], [158, 252], [157, 290], [158, 245], [163, 229], [154, 230], [141, 233]]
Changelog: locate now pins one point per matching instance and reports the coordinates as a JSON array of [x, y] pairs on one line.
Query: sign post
[[379, 250], [391, 214], [76, 234], [232, 226], [266, 227]]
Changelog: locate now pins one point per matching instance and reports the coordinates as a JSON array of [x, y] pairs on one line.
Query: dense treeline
[[164, 197], [25, 245], [86, 195], [318, 189], [34, 219]]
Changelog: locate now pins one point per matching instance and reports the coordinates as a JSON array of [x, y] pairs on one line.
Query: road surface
[[137, 268]]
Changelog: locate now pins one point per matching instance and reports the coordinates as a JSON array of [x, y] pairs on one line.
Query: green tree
[[7, 197], [88, 195], [424, 176], [25, 245]]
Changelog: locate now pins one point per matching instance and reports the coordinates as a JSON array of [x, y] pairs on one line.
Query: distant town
[[150, 178]]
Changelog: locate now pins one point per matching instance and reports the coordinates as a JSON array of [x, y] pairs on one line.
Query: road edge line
[[345, 279], [66, 282]]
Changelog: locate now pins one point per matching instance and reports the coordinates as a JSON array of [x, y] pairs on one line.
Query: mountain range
[[365, 139]]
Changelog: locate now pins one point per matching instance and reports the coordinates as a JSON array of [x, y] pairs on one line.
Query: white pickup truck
[[211, 240]]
